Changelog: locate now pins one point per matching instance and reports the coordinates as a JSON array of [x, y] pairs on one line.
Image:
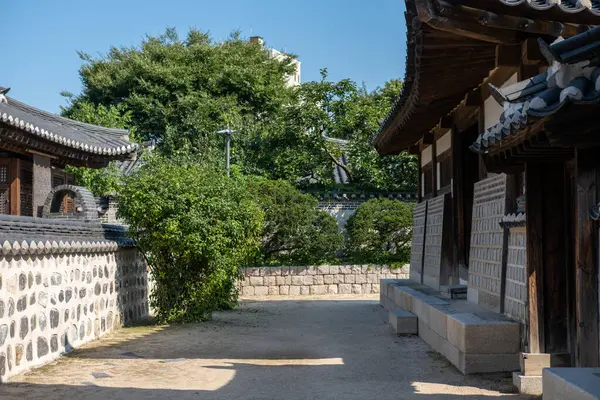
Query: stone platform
[[472, 338], [571, 383]]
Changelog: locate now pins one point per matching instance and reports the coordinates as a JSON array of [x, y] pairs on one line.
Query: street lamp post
[[227, 132]]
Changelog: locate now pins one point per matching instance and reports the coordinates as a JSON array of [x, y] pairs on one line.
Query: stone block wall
[[317, 280], [515, 297], [487, 242], [57, 296]]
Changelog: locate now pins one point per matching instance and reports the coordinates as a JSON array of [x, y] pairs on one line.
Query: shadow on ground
[[262, 350]]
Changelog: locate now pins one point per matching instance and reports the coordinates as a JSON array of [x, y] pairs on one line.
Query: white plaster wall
[[443, 143], [492, 109], [426, 156]]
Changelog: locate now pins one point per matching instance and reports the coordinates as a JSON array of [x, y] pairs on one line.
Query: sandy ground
[[322, 348]]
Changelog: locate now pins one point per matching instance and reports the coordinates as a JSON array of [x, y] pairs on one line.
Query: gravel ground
[[293, 348]]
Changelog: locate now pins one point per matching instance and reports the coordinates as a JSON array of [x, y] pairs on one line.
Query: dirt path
[[339, 348]]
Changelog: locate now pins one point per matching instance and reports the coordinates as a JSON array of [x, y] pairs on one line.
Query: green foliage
[[106, 181], [101, 182], [380, 231], [181, 91], [196, 227], [294, 230], [338, 110]]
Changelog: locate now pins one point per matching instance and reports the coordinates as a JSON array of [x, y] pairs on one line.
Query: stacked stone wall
[[317, 280], [57, 296]]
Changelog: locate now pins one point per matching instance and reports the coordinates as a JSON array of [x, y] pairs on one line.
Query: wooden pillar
[[420, 178], [555, 264], [434, 167], [457, 196], [533, 173], [15, 186], [586, 239]]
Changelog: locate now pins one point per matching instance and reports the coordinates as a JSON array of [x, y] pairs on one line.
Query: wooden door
[[4, 187]]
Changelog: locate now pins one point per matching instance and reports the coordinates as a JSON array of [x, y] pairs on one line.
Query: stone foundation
[[55, 298], [315, 280]]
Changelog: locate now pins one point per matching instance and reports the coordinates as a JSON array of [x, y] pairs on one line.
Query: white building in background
[[292, 80]]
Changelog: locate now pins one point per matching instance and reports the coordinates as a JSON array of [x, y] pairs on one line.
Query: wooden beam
[[420, 177], [535, 259], [531, 54], [428, 138], [434, 173], [508, 56], [586, 261], [14, 169], [446, 122]]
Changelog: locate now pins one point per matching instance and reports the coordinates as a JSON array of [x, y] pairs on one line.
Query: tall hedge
[[380, 231], [196, 228], [294, 230]]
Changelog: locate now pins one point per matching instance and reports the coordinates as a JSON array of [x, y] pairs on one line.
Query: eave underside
[[17, 141]]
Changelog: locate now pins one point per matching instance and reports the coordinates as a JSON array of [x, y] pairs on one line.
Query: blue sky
[[358, 39]]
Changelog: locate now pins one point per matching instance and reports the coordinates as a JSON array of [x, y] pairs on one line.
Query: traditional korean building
[[35, 146], [66, 278], [500, 111]]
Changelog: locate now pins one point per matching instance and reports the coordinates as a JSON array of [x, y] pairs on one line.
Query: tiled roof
[[543, 95], [83, 137], [567, 6], [443, 63]]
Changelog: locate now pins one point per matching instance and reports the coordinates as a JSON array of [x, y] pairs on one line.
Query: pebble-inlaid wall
[[418, 240], [487, 240], [434, 232], [53, 302], [515, 297]]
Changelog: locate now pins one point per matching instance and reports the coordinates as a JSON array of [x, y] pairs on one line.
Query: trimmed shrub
[[294, 230], [380, 231], [196, 227]]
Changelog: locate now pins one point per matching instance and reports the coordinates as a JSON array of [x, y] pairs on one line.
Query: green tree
[[196, 228], [181, 91], [294, 230], [327, 110], [105, 181], [380, 231]]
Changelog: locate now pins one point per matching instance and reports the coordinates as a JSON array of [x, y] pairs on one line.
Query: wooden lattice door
[[4, 187]]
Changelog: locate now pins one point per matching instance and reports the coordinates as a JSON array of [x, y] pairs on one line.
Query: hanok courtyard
[[336, 347], [501, 297]]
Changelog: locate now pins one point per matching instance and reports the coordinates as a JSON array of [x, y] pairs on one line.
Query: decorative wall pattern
[[418, 240], [53, 301], [487, 240], [515, 297], [433, 241]]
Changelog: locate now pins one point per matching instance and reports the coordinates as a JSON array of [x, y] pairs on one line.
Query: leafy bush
[[294, 230], [380, 231], [196, 227]]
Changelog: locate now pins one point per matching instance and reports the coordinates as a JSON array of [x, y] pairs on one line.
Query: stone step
[[528, 384], [475, 340], [403, 322], [454, 291], [571, 383]]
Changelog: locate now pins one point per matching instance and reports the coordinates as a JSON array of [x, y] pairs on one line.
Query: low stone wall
[[57, 296], [314, 280]]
